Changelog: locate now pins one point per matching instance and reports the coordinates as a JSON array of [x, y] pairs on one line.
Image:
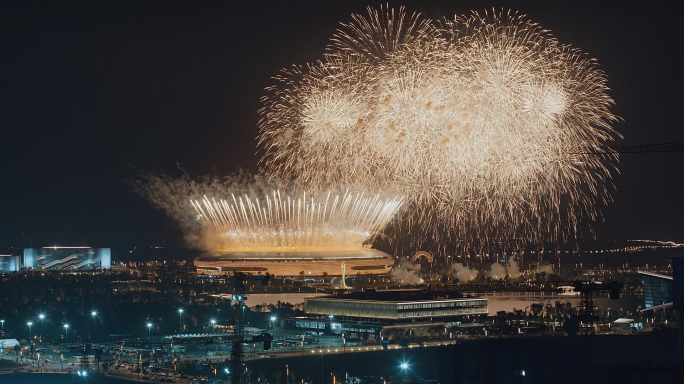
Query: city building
[[67, 258], [663, 292], [295, 263], [657, 289], [396, 305], [9, 263], [385, 314]]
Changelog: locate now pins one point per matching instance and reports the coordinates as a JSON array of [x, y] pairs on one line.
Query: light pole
[[29, 325], [3, 325], [149, 331], [404, 366], [93, 313], [287, 371], [66, 333], [273, 319], [180, 320], [213, 325], [41, 317]]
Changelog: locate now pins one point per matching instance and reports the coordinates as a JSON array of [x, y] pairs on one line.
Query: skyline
[[94, 93]]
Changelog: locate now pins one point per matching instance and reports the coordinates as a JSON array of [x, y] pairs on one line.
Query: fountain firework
[[487, 124], [345, 222]]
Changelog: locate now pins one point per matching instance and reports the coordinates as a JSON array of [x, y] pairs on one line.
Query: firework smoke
[[245, 212], [406, 273], [513, 269], [499, 271], [486, 123], [547, 268], [496, 272], [173, 195], [462, 273]]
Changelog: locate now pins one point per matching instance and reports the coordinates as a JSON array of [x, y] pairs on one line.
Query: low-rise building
[[385, 314]]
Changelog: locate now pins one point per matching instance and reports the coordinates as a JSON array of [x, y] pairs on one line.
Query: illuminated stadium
[[319, 263], [286, 236]]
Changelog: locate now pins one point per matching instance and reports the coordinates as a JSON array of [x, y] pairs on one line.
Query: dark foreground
[[645, 358]]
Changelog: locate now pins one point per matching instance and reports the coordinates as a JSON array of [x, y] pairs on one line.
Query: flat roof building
[[295, 263], [397, 305], [67, 258], [384, 314]]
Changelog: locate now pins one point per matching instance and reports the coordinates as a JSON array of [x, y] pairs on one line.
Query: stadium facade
[[67, 258], [295, 263], [9, 263]]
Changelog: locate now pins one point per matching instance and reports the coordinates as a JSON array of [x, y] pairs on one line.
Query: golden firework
[[486, 123]]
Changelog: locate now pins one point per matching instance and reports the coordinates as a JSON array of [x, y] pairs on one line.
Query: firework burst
[[486, 123]]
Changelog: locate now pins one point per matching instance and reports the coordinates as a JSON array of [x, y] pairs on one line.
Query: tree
[[536, 308], [277, 375]]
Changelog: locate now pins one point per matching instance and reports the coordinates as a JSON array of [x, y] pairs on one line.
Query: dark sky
[[92, 91]]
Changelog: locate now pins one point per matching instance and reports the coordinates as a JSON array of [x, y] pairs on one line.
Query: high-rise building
[[65, 258]]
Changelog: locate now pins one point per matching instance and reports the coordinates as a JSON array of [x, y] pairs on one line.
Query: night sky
[[92, 92]]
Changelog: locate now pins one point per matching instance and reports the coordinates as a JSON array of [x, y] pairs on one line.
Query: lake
[[497, 301]]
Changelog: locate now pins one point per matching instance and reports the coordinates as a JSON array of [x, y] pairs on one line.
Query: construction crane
[[662, 147], [647, 148], [586, 305], [237, 354]]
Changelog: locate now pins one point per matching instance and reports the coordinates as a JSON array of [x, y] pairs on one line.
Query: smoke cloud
[[513, 269], [496, 272], [406, 273], [172, 196], [510, 269], [548, 268], [462, 273]]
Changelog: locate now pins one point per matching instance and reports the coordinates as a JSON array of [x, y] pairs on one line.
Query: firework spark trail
[[487, 124], [346, 222]]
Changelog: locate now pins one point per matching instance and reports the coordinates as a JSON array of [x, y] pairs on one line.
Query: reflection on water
[[274, 298], [497, 301], [518, 300]]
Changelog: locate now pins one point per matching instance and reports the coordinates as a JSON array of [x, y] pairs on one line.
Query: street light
[[213, 325], [404, 366], [29, 325], [149, 330], [41, 317], [180, 319], [3, 325], [66, 333], [273, 319], [93, 313]]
